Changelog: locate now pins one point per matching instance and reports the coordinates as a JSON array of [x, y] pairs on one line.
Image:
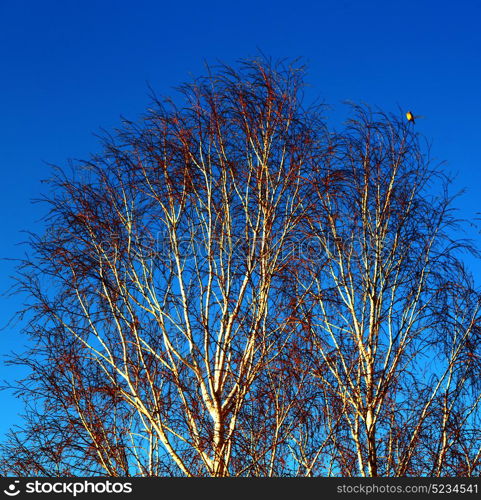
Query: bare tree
[[229, 289], [156, 284], [389, 310]]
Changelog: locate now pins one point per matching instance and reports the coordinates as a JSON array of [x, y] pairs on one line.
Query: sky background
[[70, 68]]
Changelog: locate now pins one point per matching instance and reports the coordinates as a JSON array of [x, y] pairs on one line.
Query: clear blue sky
[[69, 68]]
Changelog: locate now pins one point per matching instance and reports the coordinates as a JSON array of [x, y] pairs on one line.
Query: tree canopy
[[233, 288]]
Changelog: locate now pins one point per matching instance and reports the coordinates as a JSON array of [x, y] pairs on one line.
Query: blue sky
[[70, 68]]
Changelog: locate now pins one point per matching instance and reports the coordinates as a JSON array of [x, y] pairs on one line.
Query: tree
[[389, 310], [229, 288], [164, 259]]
